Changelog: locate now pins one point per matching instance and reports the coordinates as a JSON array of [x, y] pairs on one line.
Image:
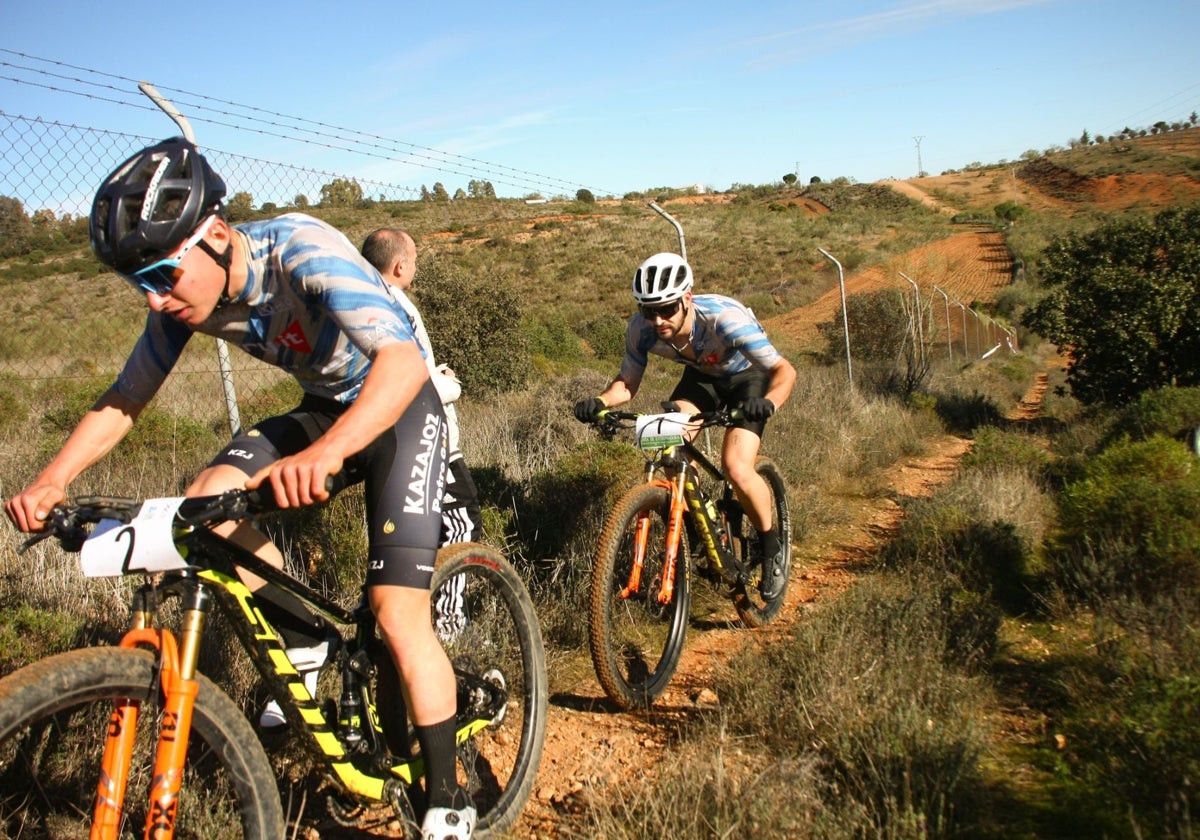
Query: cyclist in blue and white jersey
[[728, 362], [295, 293]]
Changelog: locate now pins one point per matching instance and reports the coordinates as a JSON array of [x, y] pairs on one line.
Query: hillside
[[569, 262], [1143, 173]]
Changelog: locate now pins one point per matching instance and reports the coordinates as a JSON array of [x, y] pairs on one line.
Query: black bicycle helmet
[[151, 203]]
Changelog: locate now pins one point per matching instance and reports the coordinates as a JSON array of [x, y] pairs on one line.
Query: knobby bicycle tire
[[635, 641], [54, 715], [486, 622], [751, 607]]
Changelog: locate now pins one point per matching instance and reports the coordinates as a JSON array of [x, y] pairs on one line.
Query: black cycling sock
[[437, 746], [769, 540]]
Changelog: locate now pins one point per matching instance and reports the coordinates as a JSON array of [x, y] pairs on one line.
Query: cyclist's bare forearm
[[780, 381], [101, 429], [617, 393]]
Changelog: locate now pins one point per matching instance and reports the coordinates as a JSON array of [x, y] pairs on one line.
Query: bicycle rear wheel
[[635, 641], [751, 607], [54, 716], [486, 621]]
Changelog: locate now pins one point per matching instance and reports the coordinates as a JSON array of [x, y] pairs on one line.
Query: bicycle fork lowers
[[684, 496], [177, 665]]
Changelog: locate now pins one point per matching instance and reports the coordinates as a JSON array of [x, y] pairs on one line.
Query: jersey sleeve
[[153, 357], [330, 275], [741, 330], [636, 356]]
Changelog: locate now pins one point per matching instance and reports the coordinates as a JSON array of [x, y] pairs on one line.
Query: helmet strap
[[225, 261]]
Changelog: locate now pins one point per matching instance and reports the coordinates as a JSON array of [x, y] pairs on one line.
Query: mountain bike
[[82, 731], [641, 579]]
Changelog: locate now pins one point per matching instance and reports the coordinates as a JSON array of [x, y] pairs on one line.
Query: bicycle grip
[[262, 498]]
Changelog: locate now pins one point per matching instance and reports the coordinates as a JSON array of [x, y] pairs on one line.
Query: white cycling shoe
[[448, 824], [306, 660]]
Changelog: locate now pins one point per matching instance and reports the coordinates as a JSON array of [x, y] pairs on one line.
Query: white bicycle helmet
[[662, 278]]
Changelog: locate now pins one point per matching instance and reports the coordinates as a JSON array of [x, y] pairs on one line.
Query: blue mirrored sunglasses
[[159, 277]]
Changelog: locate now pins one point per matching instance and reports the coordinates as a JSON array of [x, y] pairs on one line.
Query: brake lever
[[30, 542]]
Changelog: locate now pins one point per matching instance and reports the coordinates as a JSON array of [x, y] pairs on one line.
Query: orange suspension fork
[[641, 539], [180, 698], [666, 590]]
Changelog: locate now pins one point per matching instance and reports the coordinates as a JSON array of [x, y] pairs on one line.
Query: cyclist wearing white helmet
[[295, 293], [728, 362]]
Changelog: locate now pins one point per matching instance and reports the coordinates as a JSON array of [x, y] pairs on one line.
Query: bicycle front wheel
[[754, 610], [485, 619], [54, 716], [635, 640]]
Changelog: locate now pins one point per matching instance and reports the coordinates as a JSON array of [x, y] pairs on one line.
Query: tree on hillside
[[341, 192], [439, 192], [789, 178], [585, 196], [239, 207], [15, 226], [480, 189], [1123, 302]]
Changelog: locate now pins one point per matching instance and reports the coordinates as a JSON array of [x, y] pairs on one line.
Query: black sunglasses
[[665, 311]]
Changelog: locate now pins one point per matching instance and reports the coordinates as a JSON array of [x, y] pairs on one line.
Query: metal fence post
[[678, 227], [917, 303], [845, 316], [949, 343], [966, 349], [223, 364], [978, 325]]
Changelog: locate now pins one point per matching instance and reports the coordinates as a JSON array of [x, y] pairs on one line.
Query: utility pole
[[918, 140]]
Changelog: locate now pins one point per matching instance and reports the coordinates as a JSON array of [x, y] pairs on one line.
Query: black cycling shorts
[[403, 470], [708, 393]]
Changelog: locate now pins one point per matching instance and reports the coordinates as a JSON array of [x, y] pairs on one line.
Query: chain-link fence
[[73, 323], [83, 329]]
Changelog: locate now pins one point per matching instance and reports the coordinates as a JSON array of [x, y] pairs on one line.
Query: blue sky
[[616, 96]]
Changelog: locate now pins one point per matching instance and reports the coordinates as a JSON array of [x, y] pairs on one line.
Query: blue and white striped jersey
[[726, 338], [311, 306]]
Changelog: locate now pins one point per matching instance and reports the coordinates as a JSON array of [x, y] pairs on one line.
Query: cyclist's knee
[[216, 479], [741, 473], [397, 609]]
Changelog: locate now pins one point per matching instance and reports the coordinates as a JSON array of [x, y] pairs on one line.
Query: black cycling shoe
[[771, 585]]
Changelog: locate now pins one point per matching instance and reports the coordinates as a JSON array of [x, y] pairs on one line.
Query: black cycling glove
[[757, 408], [587, 410]]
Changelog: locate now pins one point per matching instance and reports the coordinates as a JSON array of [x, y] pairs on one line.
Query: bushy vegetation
[[1021, 658], [1124, 301]]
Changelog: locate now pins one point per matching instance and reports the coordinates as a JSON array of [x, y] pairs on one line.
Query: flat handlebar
[[68, 522]]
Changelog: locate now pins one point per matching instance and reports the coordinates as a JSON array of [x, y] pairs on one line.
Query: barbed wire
[[322, 134]]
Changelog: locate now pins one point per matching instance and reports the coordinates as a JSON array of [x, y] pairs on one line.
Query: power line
[[326, 135]]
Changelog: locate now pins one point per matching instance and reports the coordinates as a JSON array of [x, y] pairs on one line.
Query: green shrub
[[1130, 525], [474, 323], [984, 557], [558, 521], [552, 338], [996, 448], [1133, 741], [28, 634], [1171, 412], [605, 335], [868, 692]]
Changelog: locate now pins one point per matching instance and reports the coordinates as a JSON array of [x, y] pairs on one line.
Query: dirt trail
[[588, 740]]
